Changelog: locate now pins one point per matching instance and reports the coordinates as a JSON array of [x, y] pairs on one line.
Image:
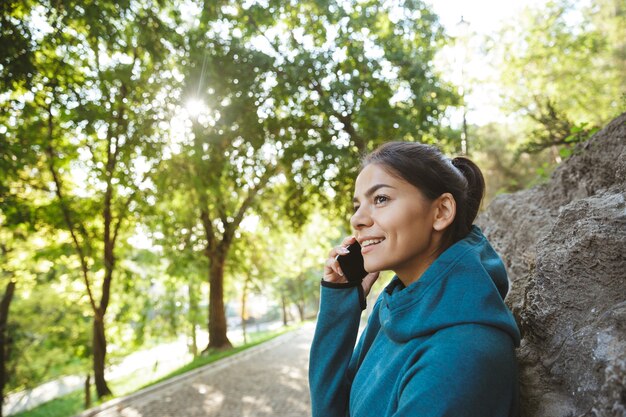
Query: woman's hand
[[368, 281], [333, 272]]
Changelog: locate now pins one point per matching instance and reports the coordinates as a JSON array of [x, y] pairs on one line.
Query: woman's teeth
[[371, 242]]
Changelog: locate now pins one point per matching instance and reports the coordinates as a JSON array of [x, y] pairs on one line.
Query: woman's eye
[[355, 208], [380, 199]]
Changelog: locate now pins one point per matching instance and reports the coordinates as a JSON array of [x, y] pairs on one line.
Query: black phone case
[[352, 264]]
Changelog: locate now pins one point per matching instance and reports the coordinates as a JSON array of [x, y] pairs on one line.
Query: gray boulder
[[564, 245]]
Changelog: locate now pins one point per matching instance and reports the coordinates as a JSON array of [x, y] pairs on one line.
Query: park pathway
[[270, 379]]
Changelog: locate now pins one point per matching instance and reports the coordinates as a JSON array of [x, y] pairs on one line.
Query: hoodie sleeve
[[464, 371], [332, 347]]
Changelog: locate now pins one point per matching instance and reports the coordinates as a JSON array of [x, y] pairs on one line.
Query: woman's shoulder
[[473, 339]]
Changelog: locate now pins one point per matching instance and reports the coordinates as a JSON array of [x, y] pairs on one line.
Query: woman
[[440, 341]]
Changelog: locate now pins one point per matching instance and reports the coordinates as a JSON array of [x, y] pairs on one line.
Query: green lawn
[[73, 403]]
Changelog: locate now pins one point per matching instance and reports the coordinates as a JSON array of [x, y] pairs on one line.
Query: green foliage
[[65, 406], [552, 59], [495, 148], [80, 125], [50, 333], [309, 103], [16, 61], [561, 70], [285, 101], [580, 133], [563, 66], [301, 259], [47, 330]]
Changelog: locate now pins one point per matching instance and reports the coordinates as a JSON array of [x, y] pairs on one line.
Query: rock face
[[564, 244]]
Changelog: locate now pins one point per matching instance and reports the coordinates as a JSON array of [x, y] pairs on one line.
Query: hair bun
[[475, 185]]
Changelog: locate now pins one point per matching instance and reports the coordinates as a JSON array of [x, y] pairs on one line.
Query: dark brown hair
[[426, 168]]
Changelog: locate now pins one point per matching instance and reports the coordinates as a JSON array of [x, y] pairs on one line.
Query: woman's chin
[[372, 267]]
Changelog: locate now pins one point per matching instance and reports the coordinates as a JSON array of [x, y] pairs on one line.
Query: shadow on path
[[268, 380]]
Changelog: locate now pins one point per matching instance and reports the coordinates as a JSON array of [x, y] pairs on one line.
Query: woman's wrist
[[348, 285]]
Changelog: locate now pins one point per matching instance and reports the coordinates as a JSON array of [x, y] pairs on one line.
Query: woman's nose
[[360, 219]]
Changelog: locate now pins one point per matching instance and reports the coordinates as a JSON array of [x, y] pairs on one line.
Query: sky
[[483, 17]]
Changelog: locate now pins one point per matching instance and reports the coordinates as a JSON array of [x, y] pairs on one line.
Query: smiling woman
[[440, 341]]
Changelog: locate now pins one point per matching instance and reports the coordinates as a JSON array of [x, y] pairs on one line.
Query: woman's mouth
[[368, 244]]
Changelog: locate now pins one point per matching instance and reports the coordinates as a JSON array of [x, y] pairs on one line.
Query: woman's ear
[[445, 211]]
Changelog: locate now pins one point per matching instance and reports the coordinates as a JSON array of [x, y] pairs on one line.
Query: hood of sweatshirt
[[466, 284]]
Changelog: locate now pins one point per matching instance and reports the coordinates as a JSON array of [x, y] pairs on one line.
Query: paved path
[[270, 379], [154, 363]]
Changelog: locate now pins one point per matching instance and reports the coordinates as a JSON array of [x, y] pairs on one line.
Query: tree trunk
[[194, 341], [284, 303], [244, 316], [300, 307], [88, 391], [217, 314], [99, 336], [99, 356], [4, 338], [193, 307]]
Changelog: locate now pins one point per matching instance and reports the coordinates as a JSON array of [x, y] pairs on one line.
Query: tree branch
[[208, 227], [121, 215], [345, 120], [66, 212], [231, 227]]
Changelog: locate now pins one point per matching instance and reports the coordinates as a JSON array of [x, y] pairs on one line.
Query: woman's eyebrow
[[372, 190]]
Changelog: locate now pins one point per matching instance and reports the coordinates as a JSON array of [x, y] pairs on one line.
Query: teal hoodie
[[443, 346]]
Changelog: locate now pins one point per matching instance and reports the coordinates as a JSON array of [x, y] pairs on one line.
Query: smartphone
[[352, 263]]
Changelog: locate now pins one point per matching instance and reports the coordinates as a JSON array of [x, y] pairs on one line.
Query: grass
[[67, 405], [73, 403]]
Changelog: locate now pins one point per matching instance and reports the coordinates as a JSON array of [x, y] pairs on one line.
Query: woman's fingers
[[342, 249], [349, 240], [332, 270]]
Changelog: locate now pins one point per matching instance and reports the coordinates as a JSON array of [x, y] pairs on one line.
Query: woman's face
[[393, 221]]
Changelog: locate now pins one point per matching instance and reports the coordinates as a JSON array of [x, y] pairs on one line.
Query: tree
[[288, 98], [301, 259], [46, 331], [252, 260], [94, 109], [563, 66], [4, 345], [16, 71], [178, 237]]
